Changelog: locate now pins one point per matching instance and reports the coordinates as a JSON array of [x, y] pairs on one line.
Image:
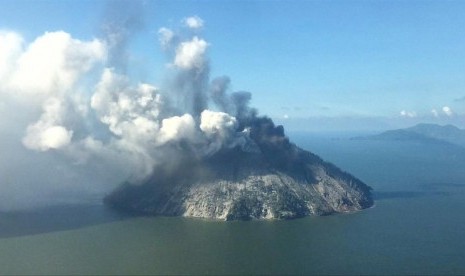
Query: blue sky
[[357, 61]]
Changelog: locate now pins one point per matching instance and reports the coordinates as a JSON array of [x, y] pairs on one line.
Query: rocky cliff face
[[266, 177]]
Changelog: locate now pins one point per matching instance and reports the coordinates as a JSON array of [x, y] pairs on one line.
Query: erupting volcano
[[191, 147], [264, 177], [229, 163]]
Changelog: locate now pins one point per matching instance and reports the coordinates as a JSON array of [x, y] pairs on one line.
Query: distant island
[[266, 177], [425, 133]]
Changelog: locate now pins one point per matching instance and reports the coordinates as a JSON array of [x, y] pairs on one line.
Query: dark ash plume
[[218, 89], [191, 86], [243, 112]]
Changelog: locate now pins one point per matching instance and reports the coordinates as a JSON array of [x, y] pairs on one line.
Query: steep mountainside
[[267, 177]]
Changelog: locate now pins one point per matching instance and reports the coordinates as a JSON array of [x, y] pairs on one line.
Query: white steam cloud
[[166, 38], [191, 54], [448, 111], [408, 114], [68, 107], [193, 22], [47, 133], [52, 64]]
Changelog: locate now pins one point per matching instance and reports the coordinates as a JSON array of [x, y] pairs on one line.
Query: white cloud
[[47, 133], [177, 128], [193, 22], [220, 130], [165, 37], [131, 113], [217, 125], [140, 121], [408, 114], [41, 91], [435, 113], [191, 54], [52, 137], [53, 63], [10, 48], [448, 111], [45, 74]]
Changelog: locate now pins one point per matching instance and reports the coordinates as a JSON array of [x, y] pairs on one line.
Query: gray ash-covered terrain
[[264, 177]]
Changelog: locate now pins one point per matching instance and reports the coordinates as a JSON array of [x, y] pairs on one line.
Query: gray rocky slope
[[267, 178]]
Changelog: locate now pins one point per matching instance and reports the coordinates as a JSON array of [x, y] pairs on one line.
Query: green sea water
[[416, 227]]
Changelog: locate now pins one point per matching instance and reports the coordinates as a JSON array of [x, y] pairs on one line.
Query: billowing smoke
[[73, 122], [122, 21], [236, 103]]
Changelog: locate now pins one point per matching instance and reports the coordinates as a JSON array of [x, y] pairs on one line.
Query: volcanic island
[[264, 176], [217, 162]]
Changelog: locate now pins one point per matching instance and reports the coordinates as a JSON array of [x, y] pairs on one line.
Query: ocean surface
[[416, 227]]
